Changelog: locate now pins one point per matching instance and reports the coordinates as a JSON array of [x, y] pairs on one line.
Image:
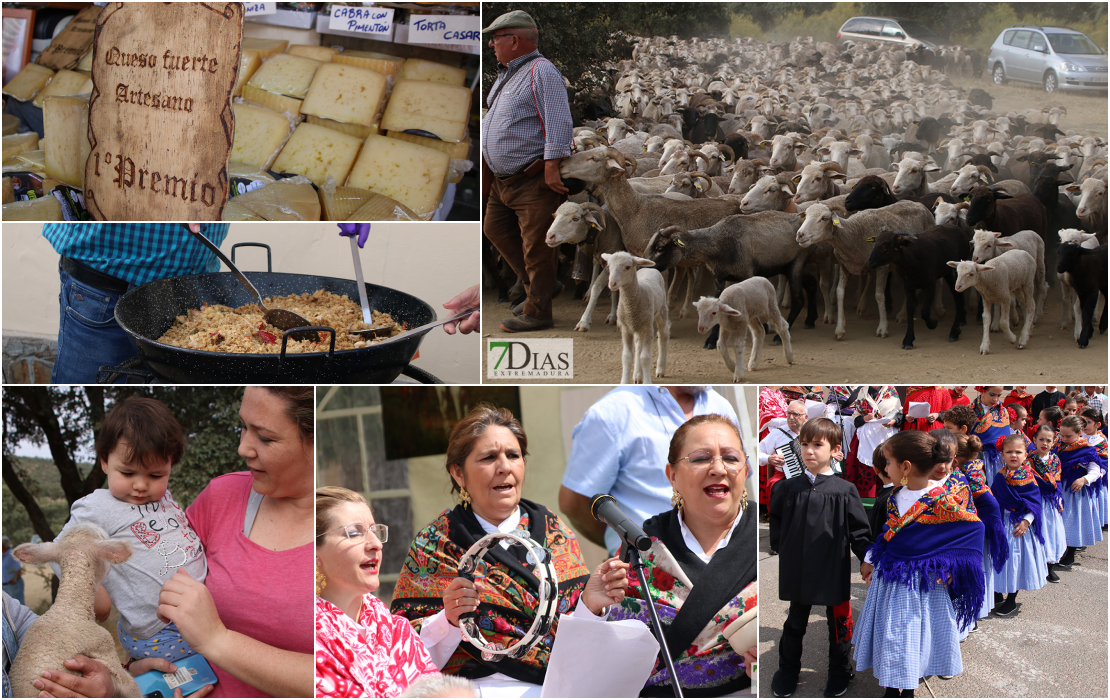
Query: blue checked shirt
[[512, 136], [137, 253]]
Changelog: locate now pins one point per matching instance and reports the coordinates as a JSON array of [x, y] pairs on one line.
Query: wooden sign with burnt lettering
[[72, 43], [160, 118]]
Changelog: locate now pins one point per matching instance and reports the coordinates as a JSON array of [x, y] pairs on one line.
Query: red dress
[[938, 398], [958, 398], [1021, 398], [378, 656]]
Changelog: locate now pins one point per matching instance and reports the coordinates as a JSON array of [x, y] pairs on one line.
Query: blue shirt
[[620, 448], [530, 118], [11, 565], [137, 253]]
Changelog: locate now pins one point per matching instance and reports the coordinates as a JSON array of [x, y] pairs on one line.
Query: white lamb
[[749, 304], [988, 245], [85, 553], [641, 314], [1000, 281]]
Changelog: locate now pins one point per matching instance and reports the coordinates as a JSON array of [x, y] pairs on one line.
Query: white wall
[[432, 261]]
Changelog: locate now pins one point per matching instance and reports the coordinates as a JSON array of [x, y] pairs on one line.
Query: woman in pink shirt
[[252, 618]]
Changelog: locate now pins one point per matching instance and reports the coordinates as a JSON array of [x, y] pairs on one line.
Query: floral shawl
[[1074, 459], [994, 423], [695, 602], [377, 656], [508, 587], [772, 405], [1047, 472], [985, 505], [1018, 494]]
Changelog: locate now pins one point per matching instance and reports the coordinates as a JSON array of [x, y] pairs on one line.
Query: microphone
[[605, 508]]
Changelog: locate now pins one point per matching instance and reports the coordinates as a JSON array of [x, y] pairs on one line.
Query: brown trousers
[[516, 222]]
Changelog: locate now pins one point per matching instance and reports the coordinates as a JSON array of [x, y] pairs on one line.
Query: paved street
[[1054, 646]]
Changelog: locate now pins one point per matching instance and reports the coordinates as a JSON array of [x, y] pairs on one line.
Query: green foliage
[[18, 528], [1000, 16], [822, 26]]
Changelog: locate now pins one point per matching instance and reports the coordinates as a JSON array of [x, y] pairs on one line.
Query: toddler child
[[1081, 472], [1046, 469], [1016, 490]]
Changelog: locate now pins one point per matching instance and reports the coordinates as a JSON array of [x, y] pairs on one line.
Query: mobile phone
[[192, 673]]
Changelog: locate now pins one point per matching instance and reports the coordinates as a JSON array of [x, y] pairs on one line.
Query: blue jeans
[[88, 335]]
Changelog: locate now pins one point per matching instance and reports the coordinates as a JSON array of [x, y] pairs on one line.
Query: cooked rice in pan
[[219, 328]]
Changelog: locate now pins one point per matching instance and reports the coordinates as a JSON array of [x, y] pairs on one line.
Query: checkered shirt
[[137, 253], [512, 134]]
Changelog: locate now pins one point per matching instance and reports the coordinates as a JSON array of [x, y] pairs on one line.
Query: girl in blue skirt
[[996, 550], [1081, 470], [1046, 469], [1092, 430], [924, 571], [1016, 490], [994, 422]]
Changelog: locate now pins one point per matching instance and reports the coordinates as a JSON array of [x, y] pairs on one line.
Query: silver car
[[895, 30], [1055, 57]]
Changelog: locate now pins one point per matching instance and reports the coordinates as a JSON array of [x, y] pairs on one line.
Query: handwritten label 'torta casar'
[[160, 119]]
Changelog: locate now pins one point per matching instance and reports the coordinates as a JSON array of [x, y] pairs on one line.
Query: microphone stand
[[632, 556]]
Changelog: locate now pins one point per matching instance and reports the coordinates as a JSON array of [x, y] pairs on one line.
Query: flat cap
[[517, 19]]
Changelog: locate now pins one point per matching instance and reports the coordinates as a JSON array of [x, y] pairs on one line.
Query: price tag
[[255, 9], [445, 29], [363, 20]]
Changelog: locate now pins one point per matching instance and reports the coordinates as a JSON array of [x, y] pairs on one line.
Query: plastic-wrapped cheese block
[[457, 151], [345, 94], [340, 202], [382, 208], [380, 62], [272, 100], [283, 201], [41, 209], [265, 47], [413, 175], [356, 130], [66, 119], [233, 211], [20, 143], [317, 152], [443, 110], [27, 82], [259, 133], [65, 82], [11, 124], [35, 161], [249, 61], [317, 53], [285, 75], [419, 69]]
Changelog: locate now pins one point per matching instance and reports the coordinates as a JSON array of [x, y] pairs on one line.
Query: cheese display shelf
[[319, 123]]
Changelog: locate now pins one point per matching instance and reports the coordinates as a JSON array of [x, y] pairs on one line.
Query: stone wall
[[28, 359]]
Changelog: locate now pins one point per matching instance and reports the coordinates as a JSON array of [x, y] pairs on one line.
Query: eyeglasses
[[495, 37], [702, 461], [792, 414], [357, 531]]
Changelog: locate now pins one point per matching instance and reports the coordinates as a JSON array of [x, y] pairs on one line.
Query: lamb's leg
[[1029, 305], [995, 324], [840, 285], [643, 354], [691, 281], [596, 286], [780, 292], [758, 336], [628, 344], [827, 275], [1004, 312], [881, 276], [740, 337], [663, 324], [985, 346], [784, 332], [722, 347], [598, 265], [1077, 313], [615, 297], [1087, 309], [864, 281]]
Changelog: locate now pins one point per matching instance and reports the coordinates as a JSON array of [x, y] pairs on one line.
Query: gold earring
[[321, 582], [905, 479], [464, 497], [676, 500]]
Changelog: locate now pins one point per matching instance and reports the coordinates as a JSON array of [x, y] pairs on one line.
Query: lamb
[[85, 553], [641, 314], [1086, 240], [1087, 269], [749, 303], [588, 223], [1000, 281], [849, 240], [988, 245]]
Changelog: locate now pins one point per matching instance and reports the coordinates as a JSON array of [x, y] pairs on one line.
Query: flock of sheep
[[743, 162]]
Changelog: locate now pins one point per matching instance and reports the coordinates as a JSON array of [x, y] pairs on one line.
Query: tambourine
[[539, 557]]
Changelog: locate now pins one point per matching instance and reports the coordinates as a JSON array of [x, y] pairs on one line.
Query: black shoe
[[907, 693], [1052, 577], [998, 598], [774, 553], [1006, 609], [892, 693], [783, 685], [1080, 549], [838, 686]]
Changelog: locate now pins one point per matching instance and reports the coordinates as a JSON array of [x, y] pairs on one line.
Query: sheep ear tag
[[870, 239], [678, 242], [967, 198], [836, 221]]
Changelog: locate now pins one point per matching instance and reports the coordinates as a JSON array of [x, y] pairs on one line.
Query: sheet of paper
[[918, 409], [814, 409], [597, 659]]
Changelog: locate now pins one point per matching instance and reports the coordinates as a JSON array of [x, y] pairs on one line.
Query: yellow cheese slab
[[265, 47], [35, 161], [411, 174], [283, 201], [272, 100], [338, 205], [27, 82], [317, 152], [345, 94], [11, 124], [357, 130], [66, 119], [285, 75], [8, 191], [249, 61], [65, 82], [443, 110], [259, 132], [316, 53], [419, 69], [382, 63], [237, 169], [41, 209], [233, 211], [85, 64], [457, 151], [20, 143], [382, 208]]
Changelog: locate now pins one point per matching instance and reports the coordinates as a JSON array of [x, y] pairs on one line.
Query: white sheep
[[1000, 281], [584, 223], [747, 304], [987, 245], [641, 314], [85, 553]]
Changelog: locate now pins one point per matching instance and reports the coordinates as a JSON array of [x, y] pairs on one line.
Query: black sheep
[[738, 144], [996, 210], [1059, 207], [921, 260], [872, 192], [979, 96], [1088, 277], [929, 131]]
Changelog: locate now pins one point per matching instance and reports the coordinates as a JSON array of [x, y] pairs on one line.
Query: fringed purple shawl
[[1047, 472], [1018, 494], [994, 423], [938, 541], [986, 507], [1073, 461]]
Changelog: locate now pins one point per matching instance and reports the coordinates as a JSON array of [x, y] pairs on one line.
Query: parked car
[[895, 30], [1057, 58]]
